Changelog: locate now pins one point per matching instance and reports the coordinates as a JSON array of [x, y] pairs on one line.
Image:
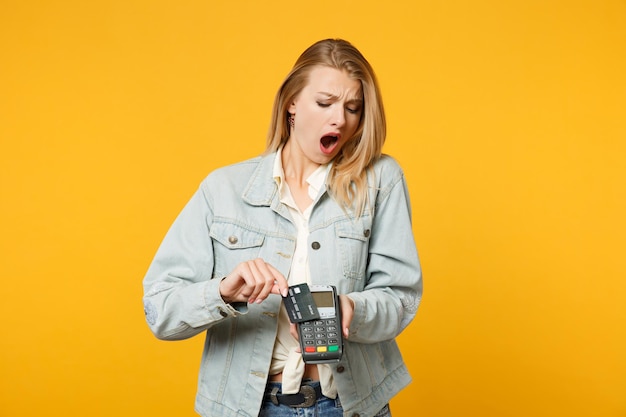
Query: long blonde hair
[[347, 180]]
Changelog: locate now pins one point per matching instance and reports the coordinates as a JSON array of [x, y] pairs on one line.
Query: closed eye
[[351, 110]]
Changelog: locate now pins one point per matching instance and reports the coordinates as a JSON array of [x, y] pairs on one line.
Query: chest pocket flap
[[235, 236], [353, 230]]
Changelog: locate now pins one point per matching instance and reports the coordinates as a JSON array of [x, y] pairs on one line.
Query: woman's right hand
[[252, 281]]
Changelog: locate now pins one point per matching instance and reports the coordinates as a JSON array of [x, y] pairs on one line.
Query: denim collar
[[261, 189]]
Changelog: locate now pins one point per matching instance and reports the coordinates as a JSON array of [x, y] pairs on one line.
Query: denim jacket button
[[315, 245], [366, 233], [232, 240], [222, 312], [340, 369]]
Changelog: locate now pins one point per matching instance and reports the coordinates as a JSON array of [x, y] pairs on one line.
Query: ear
[[292, 107]]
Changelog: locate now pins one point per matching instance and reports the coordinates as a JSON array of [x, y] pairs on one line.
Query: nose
[[338, 116]]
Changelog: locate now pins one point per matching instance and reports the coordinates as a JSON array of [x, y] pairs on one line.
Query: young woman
[[323, 205]]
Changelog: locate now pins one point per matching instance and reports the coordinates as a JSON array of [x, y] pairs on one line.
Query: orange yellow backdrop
[[508, 117]]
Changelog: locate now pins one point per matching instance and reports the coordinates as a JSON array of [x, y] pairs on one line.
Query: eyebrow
[[357, 100]]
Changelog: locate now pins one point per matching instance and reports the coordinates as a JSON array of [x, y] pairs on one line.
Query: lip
[[327, 147]]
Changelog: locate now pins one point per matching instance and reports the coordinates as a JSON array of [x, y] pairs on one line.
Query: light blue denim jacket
[[236, 216]]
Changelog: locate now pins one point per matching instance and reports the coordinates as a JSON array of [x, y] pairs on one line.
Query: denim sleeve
[[180, 297], [392, 293]]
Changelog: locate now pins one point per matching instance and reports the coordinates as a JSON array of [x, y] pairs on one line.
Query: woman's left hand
[[347, 312]]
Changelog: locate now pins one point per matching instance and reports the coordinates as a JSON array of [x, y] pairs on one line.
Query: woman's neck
[[296, 166]]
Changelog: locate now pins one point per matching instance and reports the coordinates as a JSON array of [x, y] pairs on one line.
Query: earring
[[291, 120]]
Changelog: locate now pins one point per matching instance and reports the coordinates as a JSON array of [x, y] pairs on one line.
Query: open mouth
[[328, 143]]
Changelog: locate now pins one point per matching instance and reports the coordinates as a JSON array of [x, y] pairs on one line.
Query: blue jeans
[[323, 407]]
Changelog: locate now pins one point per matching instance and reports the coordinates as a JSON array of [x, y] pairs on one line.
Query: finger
[[256, 281], [347, 313], [264, 280], [236, 287], [281, 286]]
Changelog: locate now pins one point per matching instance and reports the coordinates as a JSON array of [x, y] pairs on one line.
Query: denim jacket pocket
[[353, 241], [234, 243]]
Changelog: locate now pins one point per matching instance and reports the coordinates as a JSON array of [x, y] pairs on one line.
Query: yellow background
[[508, 117]]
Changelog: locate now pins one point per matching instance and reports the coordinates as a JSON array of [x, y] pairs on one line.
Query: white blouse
[[285, 358]]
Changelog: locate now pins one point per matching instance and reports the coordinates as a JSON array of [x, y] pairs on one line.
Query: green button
[[333, 348]]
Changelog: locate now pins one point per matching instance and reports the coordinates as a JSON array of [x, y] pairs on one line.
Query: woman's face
[[326, 114]]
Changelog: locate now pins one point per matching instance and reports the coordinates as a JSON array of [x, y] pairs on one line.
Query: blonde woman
[[323, 205]]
